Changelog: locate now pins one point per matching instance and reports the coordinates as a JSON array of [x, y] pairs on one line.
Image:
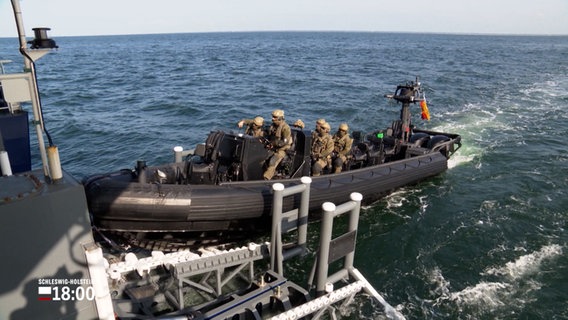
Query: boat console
[[228, 156]]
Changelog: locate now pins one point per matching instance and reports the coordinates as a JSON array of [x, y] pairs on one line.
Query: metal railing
[[216, 268], [284, 222]]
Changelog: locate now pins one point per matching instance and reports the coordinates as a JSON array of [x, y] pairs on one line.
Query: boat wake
[[527, 265], [459, 159], [398, 198], [472, 121], [514, 283], [394, 201]]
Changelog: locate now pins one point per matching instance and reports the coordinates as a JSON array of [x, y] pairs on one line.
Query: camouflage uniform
[[322, 147], [280, 137], [342, 146], [319, 123]]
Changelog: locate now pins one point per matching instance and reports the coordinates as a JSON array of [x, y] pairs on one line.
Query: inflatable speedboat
[[220, 186]]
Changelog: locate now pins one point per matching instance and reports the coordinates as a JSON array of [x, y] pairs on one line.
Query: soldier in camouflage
[[322, 147], [319, 123], [254, 126], [342, 147], [280, 137]]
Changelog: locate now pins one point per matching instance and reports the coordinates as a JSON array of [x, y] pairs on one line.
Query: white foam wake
[[458, 159], [516, 280], [526, 265]]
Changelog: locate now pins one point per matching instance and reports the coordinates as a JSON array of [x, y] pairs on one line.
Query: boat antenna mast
[[39, 46], [410, 92]]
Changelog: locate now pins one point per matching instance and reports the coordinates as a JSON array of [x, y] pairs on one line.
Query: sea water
[[485, 240]]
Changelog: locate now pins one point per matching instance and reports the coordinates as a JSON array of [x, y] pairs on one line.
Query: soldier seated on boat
[[254, 126], [342, 147], [322, 147], [319, 123], [280, 140], [299, 124]]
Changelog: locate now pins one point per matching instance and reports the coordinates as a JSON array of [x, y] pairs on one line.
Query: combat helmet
[[278, 114], [259, 121], [299, 123]]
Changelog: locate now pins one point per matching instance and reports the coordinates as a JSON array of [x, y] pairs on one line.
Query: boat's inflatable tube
[[117, 202]]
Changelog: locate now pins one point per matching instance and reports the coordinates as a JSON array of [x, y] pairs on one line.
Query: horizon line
[[316, 31]]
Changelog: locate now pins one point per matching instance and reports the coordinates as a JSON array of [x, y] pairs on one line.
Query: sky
[[110, 17]]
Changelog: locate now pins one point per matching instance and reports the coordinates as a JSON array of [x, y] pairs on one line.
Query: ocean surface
[[485, 240]]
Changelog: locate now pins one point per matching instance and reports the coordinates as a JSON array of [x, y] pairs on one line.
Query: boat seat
[[200, 150], [358, 157], [292, 151], [294, 155], [419, 139], [357, 136], [212, 146], [360, 152], [389, 138], [200, 173]]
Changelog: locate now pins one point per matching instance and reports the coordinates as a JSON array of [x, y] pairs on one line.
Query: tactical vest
[[281, 136], [254, 132], [342, 145], [321, 145]]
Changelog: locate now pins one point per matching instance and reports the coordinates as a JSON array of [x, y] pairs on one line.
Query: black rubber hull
[[117, 203]]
